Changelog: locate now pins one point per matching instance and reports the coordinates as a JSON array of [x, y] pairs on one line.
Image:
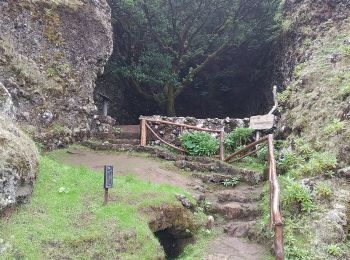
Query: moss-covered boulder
[[18, 164]]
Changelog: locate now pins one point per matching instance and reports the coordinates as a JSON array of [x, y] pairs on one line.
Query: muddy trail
[[235, 204]]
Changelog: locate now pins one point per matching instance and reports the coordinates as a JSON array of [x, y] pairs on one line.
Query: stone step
[[249, 176], [241, 193], [125, 141], [239, 228], [236, 210], [128, 132], [234, 196]]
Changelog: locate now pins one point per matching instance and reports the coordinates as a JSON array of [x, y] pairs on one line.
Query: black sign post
[[107, 181]]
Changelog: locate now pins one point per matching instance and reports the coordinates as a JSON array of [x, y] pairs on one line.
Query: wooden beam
[[246, 148], [143, 132], [181, 125], [222, 145], [163, 141]]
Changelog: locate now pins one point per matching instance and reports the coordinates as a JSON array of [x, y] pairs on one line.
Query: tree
[[164, 44]]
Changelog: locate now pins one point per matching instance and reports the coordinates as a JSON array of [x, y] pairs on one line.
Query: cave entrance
[[173, 245], [238, 83]]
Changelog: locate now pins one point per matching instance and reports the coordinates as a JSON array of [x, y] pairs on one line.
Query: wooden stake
[[143, 133], [222, 147], [106, 197]]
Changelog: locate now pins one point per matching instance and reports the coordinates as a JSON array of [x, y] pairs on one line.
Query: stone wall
[[171, 133]]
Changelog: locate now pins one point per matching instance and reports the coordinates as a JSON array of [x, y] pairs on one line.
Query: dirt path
[[223, 247]]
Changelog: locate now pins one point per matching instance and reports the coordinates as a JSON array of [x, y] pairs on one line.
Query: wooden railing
[[275, 211], [144, 124]]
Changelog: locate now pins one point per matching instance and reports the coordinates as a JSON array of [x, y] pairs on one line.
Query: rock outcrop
[[50, 55], [18, 157], [18, 164]]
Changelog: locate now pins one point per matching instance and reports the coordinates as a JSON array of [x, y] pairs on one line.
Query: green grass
[[66, 218]]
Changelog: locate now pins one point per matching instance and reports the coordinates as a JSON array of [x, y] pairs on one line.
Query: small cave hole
[[173, 245]]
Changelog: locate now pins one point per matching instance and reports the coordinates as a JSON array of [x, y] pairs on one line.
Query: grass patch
[[66, 217]]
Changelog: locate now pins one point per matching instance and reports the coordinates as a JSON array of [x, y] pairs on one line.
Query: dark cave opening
[[169, 243], [173, 245], [237, 84]]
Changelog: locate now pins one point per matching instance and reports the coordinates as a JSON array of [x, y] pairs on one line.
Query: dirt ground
[[154, 170]]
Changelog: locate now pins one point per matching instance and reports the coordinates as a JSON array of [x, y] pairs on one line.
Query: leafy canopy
[[164, 44]]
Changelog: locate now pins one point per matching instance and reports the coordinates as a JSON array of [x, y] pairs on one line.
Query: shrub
[[238, 137], [345, 90], [233, 181], [290, 160], [296, 197], [199, 143], [320, 163], [334, 128], [323, 191], [334, 250]]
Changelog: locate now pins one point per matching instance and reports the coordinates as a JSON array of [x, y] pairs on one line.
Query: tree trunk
[[170, 101]]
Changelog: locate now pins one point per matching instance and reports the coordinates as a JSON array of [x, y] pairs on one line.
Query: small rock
[[184, 201], [47, 116], [344, 172], [210, 223], [26, 116]]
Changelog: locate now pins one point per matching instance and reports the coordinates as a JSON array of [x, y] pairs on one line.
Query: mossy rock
[[18, 164]]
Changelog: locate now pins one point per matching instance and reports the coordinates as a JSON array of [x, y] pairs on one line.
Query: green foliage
[[51, 72], [303, 148], [233, 181], [320, 163], [304, 160], [290, 160], [295, 197], [334, 128], [345, 90], [294, 230], [284, 96], [238, 137], [163, 45], [199, 143], [346, 51], [298, 69], [334, 250], [323, 191]]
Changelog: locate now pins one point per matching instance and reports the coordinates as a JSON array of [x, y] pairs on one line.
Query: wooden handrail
[[275, 211], [163, 141], [182, 125], [264, 139], [144, 126]]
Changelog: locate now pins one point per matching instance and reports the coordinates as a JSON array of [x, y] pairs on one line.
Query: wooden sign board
[[263, 122], [108, 177]]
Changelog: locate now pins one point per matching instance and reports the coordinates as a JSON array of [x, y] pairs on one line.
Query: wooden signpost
[[263, 122], [107, 181]]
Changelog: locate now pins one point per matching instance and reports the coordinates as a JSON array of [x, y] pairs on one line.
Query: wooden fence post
[[222, 146], [143, 132]]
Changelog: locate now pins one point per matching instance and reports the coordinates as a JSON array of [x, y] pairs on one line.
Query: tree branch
[[155, 34]]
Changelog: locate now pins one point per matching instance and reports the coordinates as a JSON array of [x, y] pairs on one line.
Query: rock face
[[18, 164], [6, 104], [313, 69], [50, 55]]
